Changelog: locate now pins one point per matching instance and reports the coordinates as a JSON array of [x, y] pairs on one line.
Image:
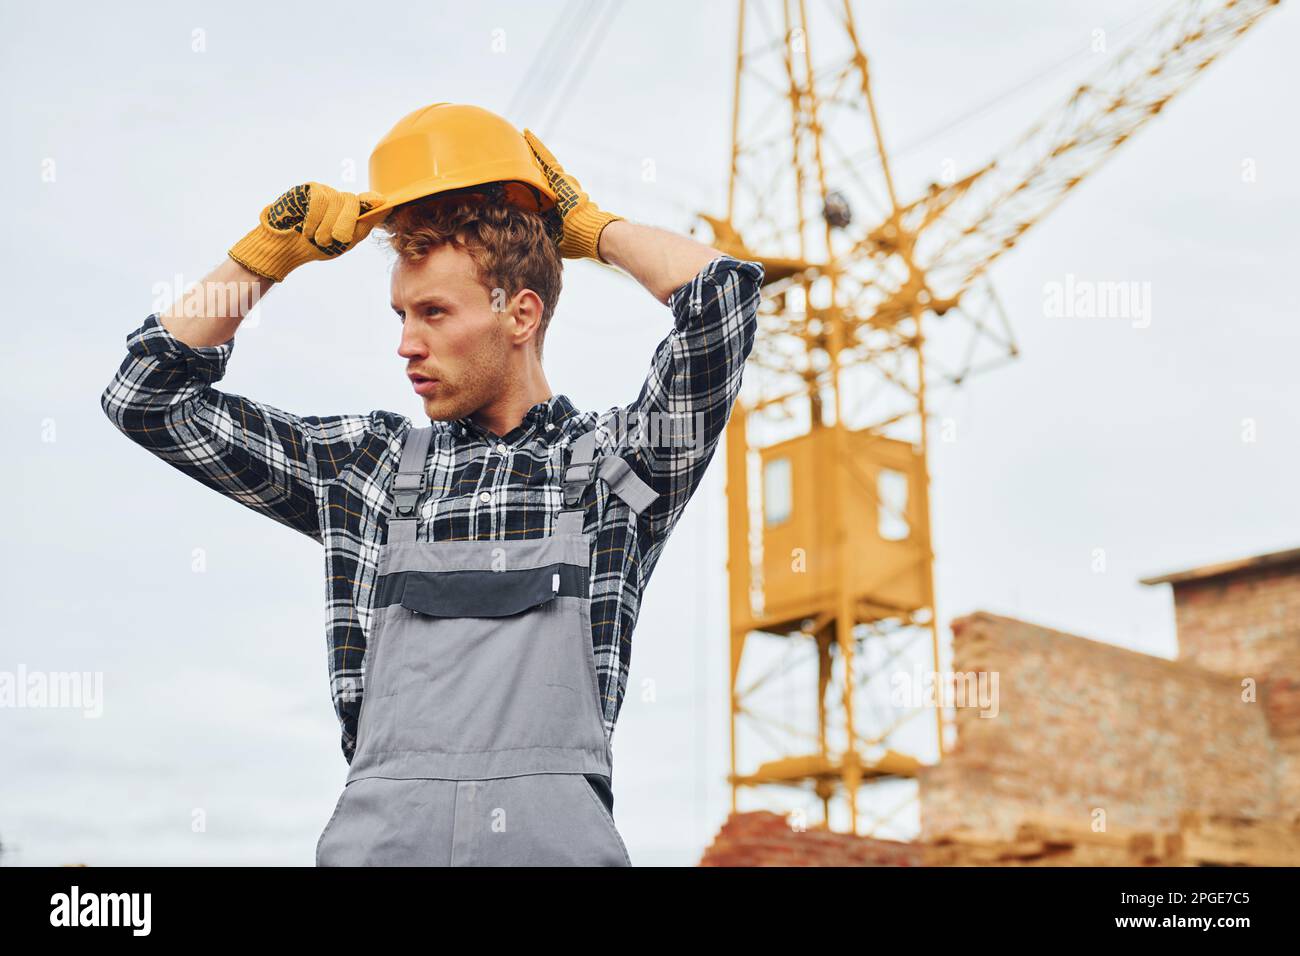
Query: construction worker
[[485, 564]]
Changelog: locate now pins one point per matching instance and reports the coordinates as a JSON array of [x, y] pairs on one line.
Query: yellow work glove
[[311, 221], [581, 220]]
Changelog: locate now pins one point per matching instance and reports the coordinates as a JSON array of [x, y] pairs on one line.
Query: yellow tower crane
[[830, 562]]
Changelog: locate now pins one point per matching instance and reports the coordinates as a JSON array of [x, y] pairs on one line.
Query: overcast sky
[[131, 158]]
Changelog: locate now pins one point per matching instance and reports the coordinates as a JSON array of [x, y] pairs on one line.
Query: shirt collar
[[547, 416]]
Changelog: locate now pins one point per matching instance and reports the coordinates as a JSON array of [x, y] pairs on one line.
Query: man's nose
[[410, 345]]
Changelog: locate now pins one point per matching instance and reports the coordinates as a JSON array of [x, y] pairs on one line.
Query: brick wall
[[1084, 726], [762, 838], [1247, 622]]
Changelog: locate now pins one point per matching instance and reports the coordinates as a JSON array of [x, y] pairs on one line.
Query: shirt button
[[485, 496], [501, 448]]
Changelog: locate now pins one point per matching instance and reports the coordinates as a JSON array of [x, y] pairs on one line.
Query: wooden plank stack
[[1200, 840], [762, 838]]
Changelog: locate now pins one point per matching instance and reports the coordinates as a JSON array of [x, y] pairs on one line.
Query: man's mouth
[[423, 385]]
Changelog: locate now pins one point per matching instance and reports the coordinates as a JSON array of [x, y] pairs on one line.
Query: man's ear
[[526, 308]]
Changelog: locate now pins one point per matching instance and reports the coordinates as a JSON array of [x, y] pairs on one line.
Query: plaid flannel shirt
[[330, 477]]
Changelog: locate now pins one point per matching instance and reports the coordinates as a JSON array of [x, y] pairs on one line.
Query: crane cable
[[544, 91], [997, 99], [541, 72]]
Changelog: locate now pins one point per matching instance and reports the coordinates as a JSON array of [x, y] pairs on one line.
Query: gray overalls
[[480, 740]]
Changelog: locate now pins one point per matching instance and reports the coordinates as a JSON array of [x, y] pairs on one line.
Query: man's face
[[450, 335]]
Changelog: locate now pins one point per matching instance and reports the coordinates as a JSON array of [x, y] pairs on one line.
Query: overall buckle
[[573, 487], [406, 496]]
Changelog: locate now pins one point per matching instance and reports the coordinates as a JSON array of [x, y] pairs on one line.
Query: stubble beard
[[481, 382]]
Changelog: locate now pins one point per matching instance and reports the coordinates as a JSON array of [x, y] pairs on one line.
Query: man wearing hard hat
[[485, 564]]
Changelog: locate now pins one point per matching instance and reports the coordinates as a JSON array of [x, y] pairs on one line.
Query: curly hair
[[512, 249]]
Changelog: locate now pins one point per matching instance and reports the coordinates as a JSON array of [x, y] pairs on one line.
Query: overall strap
[[580, 472], [583, 469], [626, 483], [408, 485]]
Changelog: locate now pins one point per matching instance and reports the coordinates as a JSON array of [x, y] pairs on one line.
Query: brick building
[[1100, 755], [1242, 618]]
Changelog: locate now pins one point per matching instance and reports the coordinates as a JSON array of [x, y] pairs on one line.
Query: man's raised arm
[[659, 260], [162, 396], [669, 433], [210, 313]]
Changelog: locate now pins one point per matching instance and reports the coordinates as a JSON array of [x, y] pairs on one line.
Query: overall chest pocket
[[480, 593]]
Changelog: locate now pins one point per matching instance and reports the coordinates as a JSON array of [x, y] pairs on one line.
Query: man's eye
[[432, 309], [401, 316]]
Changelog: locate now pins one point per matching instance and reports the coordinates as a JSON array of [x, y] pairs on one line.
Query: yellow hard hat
[[448, 146]]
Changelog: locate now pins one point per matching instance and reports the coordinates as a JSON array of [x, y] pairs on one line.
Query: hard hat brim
[[425, 190]]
